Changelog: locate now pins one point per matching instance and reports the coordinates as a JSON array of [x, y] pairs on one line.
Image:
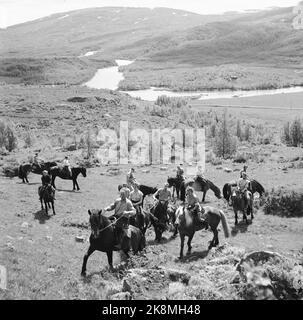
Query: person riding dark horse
[[46, 181], [244, 170], [244, 187], [67, 166], [180, 173], [194, 207], [130, 179], [159, 211], [37, 161], [163, 195], [123, 210], [136, 197]]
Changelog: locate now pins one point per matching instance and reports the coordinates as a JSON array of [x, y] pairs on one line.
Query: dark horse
[[46, 195], [159, 219], [147, 190], [102, 238], [254, 185], [187, 225], [239, 203], [203, 185], [25, 169], [177, 183], [61, 173]]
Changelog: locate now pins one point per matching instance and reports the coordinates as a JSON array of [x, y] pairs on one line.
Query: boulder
[[121, 296]]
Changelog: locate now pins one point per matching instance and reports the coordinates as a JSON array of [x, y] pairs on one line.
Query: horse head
[[83, 171], [171, 181], [96, 222], [235, 193]]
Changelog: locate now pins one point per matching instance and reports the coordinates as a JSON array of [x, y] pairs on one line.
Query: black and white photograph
[[151, 151]]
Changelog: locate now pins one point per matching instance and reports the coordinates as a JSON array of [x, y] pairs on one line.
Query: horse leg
[[204, 195], [41, 204], [216, 238], [212, 242], [53, 208], [189, 244], [46, 207], [77, 185], [110, 259], [88, 253], [236, 217], [182, 237]]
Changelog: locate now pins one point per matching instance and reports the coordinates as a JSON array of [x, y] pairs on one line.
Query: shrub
[[8, 138], [225, 142], [293, 133], [28, 139], [283, 203]]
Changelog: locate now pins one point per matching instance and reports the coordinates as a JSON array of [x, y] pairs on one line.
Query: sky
[[18, 11]]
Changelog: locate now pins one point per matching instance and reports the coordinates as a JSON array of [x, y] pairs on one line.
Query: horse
[[61, 173], [159, 219], [102, 238], [187, 226], [147, 190], [140, 220], [176, 183], [25, 169], [255, 186], [203, 185], [46, 194], [240, 204]]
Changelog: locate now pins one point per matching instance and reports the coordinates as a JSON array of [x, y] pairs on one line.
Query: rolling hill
[[69, 47]]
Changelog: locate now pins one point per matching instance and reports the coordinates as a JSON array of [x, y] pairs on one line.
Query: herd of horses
[[102, 237]]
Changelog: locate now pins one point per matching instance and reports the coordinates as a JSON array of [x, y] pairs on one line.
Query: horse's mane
[[211, 185], [259, 188]]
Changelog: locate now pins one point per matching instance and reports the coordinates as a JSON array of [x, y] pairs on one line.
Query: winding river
[[109, 78]]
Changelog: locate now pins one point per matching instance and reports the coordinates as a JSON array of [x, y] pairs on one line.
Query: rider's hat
[[44, 171], [244, 174]]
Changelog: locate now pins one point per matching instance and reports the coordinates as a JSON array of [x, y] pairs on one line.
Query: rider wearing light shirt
[[136, 197], [244, 186], [123, 210]]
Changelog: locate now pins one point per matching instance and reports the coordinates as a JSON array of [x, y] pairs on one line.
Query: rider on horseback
[[123, 210], [37, 161], [67, 167], [136, 197], [164, 196], [243, 170], [243, 185], [46, 181], [180, 172], [194, 207], [130, 178]]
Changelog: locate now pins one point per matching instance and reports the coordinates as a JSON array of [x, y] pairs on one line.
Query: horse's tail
[[258, 187], [225, 224], [215, 189], [226, 192], [20, 172]]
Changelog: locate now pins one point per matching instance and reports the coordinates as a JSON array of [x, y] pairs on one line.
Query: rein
[[111, 224]]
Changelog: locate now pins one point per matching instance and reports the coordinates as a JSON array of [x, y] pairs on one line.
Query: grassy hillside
[[175, 49], [260, 51], [77, 32]]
